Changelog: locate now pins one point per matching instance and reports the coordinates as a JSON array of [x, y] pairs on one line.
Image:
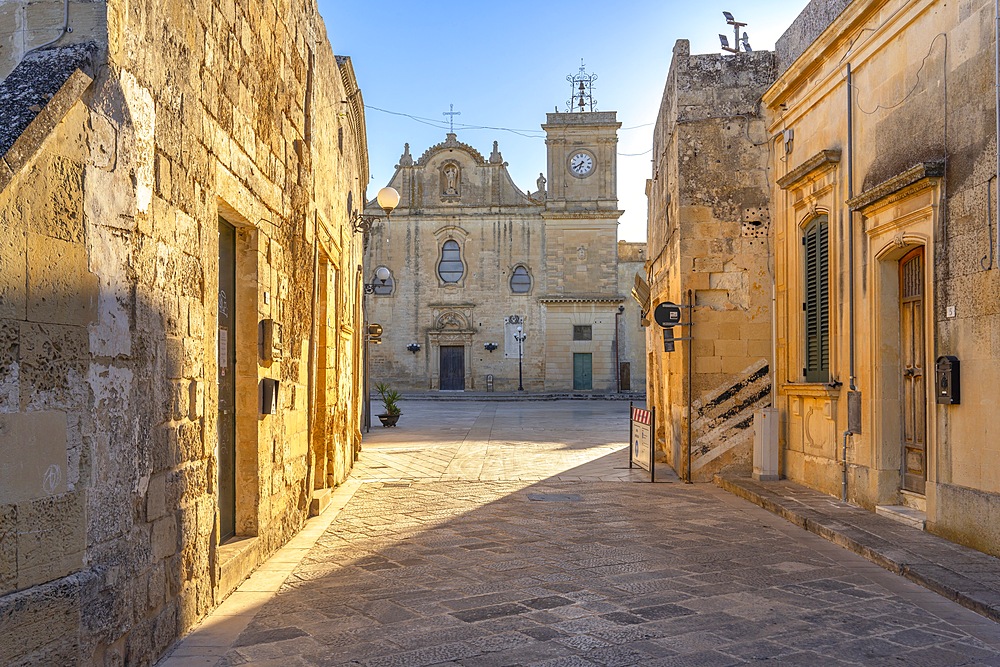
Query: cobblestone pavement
[[518, 561]]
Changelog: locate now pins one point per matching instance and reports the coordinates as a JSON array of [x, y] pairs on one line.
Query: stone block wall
[[187, 114], [631, 333], [709, 234]]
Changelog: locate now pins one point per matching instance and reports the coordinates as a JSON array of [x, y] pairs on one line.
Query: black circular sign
[[667, 314]]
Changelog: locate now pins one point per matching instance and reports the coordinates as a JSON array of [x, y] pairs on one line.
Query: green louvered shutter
[[817, 300]]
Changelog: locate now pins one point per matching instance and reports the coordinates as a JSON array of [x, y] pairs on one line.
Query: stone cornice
[[825, 159], [611, 215], [562, 119], [899, 186], [581, 299]]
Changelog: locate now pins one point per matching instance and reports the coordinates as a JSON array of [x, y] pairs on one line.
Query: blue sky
[[504, 66]]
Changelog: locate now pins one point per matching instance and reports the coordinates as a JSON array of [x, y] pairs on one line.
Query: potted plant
[[390, 400]]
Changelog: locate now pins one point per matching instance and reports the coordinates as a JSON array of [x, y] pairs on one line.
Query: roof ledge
[[34, 99]]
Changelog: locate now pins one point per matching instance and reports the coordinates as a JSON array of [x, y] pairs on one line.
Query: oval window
[[520, 281], [450, 268]]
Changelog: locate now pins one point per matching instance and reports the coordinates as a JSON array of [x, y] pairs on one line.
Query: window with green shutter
[[816, 303]]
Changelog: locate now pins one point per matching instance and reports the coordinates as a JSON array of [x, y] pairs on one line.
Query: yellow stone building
[[475, 262], [179, 299], [885, 166]]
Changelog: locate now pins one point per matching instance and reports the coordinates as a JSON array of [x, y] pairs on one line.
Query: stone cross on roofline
[[451, 117]]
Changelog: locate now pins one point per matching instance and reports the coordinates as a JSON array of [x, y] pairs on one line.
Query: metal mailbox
[[948, 385]]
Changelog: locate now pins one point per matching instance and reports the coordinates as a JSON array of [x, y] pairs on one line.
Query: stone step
[[914, 500], [320, 500], [903, 514]]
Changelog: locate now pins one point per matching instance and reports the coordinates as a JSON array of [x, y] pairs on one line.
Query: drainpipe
[[850, 265], [618, 365], [690, 375], [65, 29], [850, 221]]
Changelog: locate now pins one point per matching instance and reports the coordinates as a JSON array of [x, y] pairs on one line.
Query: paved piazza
[[502, 534]]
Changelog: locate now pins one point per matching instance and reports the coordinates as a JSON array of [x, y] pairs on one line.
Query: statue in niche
[[451, 179]]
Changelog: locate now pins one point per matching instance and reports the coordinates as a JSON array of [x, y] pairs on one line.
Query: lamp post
[[388, 200], [520, 336]]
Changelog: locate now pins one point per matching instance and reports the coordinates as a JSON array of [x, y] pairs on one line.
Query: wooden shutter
[[817, 301]]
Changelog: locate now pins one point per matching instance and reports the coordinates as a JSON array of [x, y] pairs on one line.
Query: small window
[[583, 332], [450, 268], [520, 281], [380, 288]]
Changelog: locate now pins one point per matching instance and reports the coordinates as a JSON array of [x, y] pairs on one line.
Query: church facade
[[496, 289]]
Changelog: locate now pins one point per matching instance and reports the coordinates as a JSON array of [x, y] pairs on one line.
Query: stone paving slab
[[496, 578], [958, 573], [514, 534]]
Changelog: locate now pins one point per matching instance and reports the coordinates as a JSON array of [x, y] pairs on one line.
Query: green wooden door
[[583, 370]]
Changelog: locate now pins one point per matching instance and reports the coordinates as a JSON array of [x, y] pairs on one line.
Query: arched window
[[450, 268], [816, 300], [520, 281]]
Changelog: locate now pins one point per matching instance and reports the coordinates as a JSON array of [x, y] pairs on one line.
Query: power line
[[529, 134]]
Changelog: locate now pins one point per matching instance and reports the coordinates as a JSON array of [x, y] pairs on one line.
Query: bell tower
[[581, 207], [582, 153]]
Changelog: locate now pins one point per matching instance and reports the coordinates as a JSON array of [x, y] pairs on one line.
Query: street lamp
[[388, 200], [519, 337]]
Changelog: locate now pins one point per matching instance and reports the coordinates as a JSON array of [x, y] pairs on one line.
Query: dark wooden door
[[452, 367], [625, 376], [911, 306], [583, 373], [227, 380]]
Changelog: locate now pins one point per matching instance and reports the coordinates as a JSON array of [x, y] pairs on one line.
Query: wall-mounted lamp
[[490, 346], [388, 200], [382, 276], [413, 347]]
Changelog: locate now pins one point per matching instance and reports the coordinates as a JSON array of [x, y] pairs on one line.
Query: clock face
[[581, 164]]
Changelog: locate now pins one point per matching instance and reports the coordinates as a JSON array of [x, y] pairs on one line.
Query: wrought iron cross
[[451, 117]]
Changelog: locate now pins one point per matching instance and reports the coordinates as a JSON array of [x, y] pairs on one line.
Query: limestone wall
[[709, 233], [109, 317], [918, 178], [631, 333]]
